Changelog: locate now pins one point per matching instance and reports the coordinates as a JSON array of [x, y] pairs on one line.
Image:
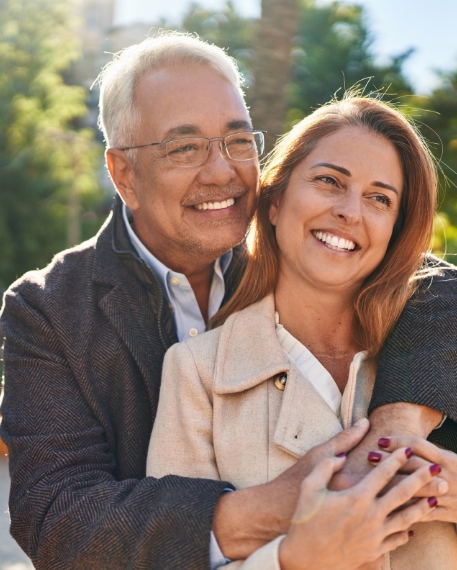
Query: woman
[[344, 219]]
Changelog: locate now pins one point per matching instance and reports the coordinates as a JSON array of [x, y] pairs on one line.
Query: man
[[86, 337]]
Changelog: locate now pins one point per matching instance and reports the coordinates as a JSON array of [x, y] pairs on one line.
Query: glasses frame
[[223, 145]]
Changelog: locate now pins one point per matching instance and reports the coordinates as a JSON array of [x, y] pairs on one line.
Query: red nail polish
[[384, 442], [432, 502], [410, 533], [374, 457], [435, 469], [341, 454], [408, 452]]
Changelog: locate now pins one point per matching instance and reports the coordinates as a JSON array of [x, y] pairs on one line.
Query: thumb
[[314, 488], [347, 439]]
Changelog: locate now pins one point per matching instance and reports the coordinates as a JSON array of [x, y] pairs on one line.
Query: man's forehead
[[194, 129]]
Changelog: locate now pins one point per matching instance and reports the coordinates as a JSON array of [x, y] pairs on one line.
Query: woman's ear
[[274, 209]]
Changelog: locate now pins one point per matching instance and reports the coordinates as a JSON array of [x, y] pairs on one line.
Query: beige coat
[[221, 416]]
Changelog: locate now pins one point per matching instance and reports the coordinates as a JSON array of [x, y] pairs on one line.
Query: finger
[[393, 541], [420, 447], [314, 488], [413, 464], [375, 481], [402, 520], [347, 439], [436, 488], [320, 476], [405, 490]]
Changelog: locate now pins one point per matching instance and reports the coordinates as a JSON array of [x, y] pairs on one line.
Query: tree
[[38, 155], [332, 52]]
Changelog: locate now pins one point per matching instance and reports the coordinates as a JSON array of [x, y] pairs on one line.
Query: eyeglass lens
[[192, 151]]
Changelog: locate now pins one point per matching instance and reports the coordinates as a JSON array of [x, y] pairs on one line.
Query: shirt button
[[174, 281], [193, 332]]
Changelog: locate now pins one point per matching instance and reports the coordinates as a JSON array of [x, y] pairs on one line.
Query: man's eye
[[240, 141], [183, 149]]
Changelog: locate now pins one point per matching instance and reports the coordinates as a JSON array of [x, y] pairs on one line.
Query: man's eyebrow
[[181, 130], [344, 171], [238, 125]]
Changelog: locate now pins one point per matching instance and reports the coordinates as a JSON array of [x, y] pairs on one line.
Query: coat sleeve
[[182, 438], [418, 363], [69, 509]]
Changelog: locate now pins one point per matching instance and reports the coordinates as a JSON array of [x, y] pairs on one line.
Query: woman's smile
[[333, 242]]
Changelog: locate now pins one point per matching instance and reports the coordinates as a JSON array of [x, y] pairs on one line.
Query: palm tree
[[275, 31]]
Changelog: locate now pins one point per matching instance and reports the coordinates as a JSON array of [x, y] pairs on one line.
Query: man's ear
[[123, 176]]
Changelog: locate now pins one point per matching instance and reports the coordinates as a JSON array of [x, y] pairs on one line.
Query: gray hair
[[118, 79]]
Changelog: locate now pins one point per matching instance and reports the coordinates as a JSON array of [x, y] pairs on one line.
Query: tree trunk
[[276, 28]]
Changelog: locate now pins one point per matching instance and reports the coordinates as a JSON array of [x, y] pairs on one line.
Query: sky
[[428, 26]]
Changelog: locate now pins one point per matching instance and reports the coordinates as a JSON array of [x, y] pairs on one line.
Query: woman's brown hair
[[383, 295]]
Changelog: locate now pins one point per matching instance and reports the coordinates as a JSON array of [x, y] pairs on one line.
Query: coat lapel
[[248, 354]]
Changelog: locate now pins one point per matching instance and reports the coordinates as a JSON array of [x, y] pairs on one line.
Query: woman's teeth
[[333, 242], [215, 205]]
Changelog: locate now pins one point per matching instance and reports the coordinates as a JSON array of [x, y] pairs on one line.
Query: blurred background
[[294, 54]]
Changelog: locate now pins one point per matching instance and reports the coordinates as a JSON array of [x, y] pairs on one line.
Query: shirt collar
[[162, 271]]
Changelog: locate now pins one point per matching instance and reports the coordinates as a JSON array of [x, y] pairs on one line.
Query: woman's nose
[[349, 208]]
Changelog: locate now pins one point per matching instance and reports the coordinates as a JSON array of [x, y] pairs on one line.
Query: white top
[[311, 368]]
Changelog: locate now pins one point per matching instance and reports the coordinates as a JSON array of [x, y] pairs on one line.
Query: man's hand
[[247, 519], [446, 460], [401, 419]]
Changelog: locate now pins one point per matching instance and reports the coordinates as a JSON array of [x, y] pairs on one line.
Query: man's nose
[[218, 168]]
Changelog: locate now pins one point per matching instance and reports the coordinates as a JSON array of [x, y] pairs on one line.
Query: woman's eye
[[383, 199], [327, 179]]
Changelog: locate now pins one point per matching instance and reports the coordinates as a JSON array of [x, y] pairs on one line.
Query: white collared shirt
[[177, 290]]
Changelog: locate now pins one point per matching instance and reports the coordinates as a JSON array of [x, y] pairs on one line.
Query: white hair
[[118, 79]]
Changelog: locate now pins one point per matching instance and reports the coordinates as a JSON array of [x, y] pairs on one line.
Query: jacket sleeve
[[182, 438], [418, 363], [68, 508]]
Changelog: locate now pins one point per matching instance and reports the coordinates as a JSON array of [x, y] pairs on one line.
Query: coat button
[[280, 381]]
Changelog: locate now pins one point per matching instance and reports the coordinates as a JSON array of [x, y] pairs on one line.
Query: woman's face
[[335, 219]]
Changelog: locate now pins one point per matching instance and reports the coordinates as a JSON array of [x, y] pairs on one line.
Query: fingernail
[[443, 487], [410, 533], [408, 452], [435, 469], [374, 457], [361, 422], [341, 454], [384, 442], [432, 502]]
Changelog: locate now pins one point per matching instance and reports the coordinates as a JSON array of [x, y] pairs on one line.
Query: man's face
[[165, 199]]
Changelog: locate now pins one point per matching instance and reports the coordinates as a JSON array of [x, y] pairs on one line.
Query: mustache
[[214, 193]]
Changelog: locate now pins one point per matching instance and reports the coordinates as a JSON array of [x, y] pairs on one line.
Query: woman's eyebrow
[[328, 165], [384, 185]]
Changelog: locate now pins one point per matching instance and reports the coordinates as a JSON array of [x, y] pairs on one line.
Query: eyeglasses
[[193, 151]]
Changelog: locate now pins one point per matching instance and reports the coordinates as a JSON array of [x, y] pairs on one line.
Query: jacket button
[[280, 381]]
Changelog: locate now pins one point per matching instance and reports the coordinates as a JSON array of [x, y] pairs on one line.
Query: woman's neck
[[322, 320]]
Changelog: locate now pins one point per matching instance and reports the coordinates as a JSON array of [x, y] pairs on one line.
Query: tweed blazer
[[222, 416], [85, 342]]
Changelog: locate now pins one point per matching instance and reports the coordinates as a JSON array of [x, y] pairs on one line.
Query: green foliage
[[332, 52], [227, 29], [41, 158]]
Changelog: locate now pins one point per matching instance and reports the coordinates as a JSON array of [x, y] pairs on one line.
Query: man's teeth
[[215, 205], [333, 242]]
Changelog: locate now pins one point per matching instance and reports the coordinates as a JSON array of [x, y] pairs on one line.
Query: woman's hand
[[447, 460], [344, 530]]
